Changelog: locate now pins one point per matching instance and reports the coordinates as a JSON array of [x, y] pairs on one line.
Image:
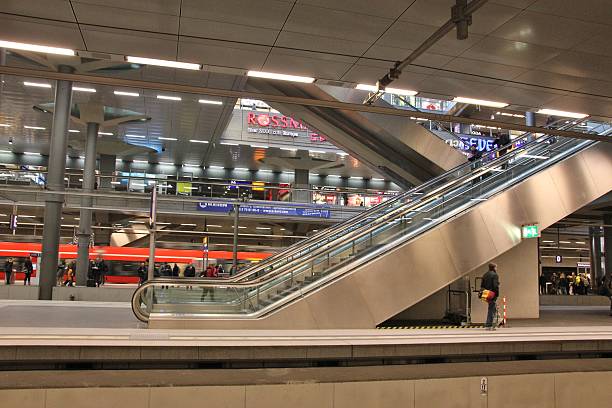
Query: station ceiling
[[529, 53]]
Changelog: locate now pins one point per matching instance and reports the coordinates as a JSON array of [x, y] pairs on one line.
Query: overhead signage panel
[[249, 209]]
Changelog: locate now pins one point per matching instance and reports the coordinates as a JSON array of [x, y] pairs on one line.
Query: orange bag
[[487, 295]]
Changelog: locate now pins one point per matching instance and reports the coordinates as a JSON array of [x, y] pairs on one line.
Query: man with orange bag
[[489, 292]]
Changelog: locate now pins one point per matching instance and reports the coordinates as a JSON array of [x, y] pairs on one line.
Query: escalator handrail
[[137, 294], [298, 246], [433, 195]]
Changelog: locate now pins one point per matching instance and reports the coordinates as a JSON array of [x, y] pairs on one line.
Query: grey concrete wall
[[105, 294], [550, 390], [18, 292], [564, 300]]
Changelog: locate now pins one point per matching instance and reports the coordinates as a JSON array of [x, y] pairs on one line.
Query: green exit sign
[[530, 231]]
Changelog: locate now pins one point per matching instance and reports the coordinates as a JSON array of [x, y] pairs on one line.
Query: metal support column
[[300, 181], [89, 179], [55, 182], [595, 247], [530, 120], [235, 246]]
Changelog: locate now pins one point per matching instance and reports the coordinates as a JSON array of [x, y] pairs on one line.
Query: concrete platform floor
[[88, 323]]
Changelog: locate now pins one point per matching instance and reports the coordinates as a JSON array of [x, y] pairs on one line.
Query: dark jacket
[[175, 271], [190, 271], [490, 281], [28, 266], [8, 267]]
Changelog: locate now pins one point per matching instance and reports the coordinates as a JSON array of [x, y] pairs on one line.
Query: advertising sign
[[248, 209]]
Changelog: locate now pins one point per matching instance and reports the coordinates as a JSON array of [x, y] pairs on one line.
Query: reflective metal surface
[[408, 268]]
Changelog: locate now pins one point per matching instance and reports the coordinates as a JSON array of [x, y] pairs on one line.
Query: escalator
[[361, 272]]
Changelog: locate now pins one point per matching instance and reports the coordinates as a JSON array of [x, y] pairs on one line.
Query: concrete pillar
[[235, 243], [300, 180], [55, 182], [108, 164], [530, 119], [607, 233], [595, 247], [89, 179]]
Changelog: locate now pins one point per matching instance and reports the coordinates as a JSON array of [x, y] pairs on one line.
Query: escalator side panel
[[402, 276]]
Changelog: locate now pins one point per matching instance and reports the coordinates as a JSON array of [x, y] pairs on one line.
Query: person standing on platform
[[8, 270], [142, 272], [28, 268], [542, 282], [102, 269], [175, 271], [490, 281]]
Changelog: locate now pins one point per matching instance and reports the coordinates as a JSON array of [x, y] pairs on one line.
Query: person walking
[[8, 270], [562, 284], [28, 268], [490, 282]]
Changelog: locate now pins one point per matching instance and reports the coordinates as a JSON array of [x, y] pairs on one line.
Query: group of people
[[9, 271], [66, 273], [167, 271], [562, 284]]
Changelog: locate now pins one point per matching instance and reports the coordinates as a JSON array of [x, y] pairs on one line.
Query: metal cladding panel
[[574, 182], [599, 163], [406, 274], [401, 277], [340, 306], [541, 200], [503, 217]]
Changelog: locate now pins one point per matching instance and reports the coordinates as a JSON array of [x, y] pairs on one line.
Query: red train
[[122, 261]]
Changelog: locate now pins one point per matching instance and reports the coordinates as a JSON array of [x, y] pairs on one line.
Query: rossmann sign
[[265, 123]]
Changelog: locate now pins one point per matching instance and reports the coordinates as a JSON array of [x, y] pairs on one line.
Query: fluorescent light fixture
[[198, 141], [263, 228], [549, 242], [533, 156], [4, 125], [163, 63], [36, 48], [334, 175], [356, 178], [105, 133], [5, 151], [377, 179], [37, 84], [140, 161], [139, 184], [290, 149], [210, 102], [167, 138], [241, 227], [314, 174], [216, 167], [27, 216], [241, 169], [554, 112], [74, 131], [136, 136], [135, 222], [478, 199], [81, 89], [565, 242], [169, 98], [115, 182], [260, 146], [229, 144], [32, 153], [281, 77], [481, 102], [82, 157], [189, 225], [214, 226], [317, 151], [190, 165], [265, 170], [395, 91], [342, 154], [124, 93], [166, 164]]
